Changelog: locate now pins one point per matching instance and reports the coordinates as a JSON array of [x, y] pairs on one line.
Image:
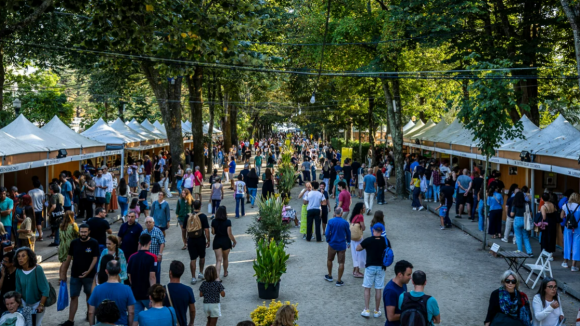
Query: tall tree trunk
[[372, 128], [226, 126], [234, 124], [2, 77], [195, 87], [392, 93], [349, 132], [252, 126], [572, 12], [212, 98], [168, 99], [360, 154]]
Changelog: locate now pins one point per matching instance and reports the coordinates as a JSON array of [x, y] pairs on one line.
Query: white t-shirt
[[240, 185], [109, 178], [443, 170], [315, 199]]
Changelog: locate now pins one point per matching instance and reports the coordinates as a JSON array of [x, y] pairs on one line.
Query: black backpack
[[414, 310], [571, 222]]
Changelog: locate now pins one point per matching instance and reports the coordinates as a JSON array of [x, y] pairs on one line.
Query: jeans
[[215, 203], [381, 196], [253, 192], [429, 192], [123, 205], [300, 182], [327, 182], [436, 190], [509, 221], [447, 220], [140, 305], [473, 206], [313, 216], [148, 179], [240, 201], [313, 174], [306, 175], [480, 213], [179, 182], [416, 202], [369, 198], [522, 236], [158, 274], [259, 170]]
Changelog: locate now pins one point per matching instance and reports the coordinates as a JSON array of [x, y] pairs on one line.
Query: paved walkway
[[460, 275]]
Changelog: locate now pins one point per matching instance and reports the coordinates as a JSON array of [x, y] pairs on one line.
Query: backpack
[[414, 310], [57, 214], [194, 229], [388, 254], [571, 222]]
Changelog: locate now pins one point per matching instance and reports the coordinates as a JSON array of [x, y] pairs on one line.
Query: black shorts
[[196, 247], [223, 243], [462, 200], [100, 200], [38, 217]]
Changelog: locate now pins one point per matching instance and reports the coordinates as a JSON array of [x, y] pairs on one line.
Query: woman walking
[[571, 236], [188, 178], [88, 189], [123, 197], [240, 194], [133, 177], [518, 211], [252, 184], [268, 185], [508, 303], [495, 203], [158, 314], [217, 195], [357, 227], [303, 212], [211, 290], [183, 209], [224, 240], [113, 249], [179, 177], [31, 282], [161, 213], [549, 215], [546, 304]]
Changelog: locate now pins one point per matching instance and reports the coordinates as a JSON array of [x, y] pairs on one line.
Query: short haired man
[[101, 185], [109, 190], [393, 289], [179, 296], [370, 190], [429, 303], [142, 269], [157, 243], [338, 238], [38, 198], [6, 207], [129, 234], [464, 195], [198, 182], [344, 199], [232, 171], [100, 227], [196, 246], [66, 190], [314, 201], [115, 291], [8, 278], [84, 253], [374, 269]]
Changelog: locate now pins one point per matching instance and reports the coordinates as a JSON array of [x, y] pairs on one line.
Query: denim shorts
[[76, 284], [374, 276], [140, 305]]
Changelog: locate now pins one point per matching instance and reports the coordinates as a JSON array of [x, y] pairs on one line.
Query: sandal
[[225, 274], [184, 247]]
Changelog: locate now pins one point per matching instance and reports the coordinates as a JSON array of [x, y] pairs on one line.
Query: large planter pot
[[270, 293]]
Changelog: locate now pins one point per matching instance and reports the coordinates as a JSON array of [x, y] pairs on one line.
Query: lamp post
[[17, 104]]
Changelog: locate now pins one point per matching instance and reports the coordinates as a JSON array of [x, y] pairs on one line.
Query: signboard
[[86, 156], [109, 153], [566, 171], [444, 151], [287, 142], [495, 247], [14, 168], [346, 153], [56, 161], [493, 159], [531, 165], [463, 154], [252, 141]]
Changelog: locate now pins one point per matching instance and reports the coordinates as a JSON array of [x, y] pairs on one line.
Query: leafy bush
[[265, 315], [338, 143], [269, 225], [285, 174], [270, 262]]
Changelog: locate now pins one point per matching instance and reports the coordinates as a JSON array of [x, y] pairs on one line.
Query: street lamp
[[17, 104]]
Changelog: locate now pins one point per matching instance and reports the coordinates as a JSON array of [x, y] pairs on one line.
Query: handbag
[[355, 232], [321, 176], [528, 223], [209, 208], [502, 319], [62, 302], [171, 304], [51, 291]]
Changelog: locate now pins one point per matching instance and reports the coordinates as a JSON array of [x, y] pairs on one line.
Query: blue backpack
[[388, 255]]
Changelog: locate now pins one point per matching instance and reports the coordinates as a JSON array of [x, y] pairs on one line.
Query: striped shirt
[[157, 239]]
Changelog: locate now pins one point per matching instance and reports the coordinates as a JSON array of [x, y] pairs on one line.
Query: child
[[134, 207], [211, 290], [143, 205], [353, 187], [442, 211], [25, 235]]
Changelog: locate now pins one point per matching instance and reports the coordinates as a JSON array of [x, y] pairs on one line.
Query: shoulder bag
[[51, 291], [528, 222], [171, 304], [356, 233]]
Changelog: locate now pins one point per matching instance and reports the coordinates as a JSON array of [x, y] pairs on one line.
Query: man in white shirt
[[315, 199], [444, 170], [38, 199], [109, 177]]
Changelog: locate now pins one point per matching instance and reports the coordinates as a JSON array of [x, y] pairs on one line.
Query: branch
[[572, 17], [34, 16], [383, 6]]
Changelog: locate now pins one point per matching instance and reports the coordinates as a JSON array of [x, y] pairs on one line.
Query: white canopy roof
[[142, 131], [416, 127], [124, 130], [448, 134], [147, 125], [206, 130], [24, 130], [529, 129], [159, 126], [430, 124], [10, 145], [58, 128], [432, 132], [100, 131], [409, 125]]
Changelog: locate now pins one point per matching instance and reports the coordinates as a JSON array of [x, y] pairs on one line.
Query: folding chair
[[542, 265]]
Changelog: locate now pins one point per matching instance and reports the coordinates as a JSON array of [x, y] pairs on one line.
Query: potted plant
[[285, 174], [269, 266], [269, 223], [265, 315]]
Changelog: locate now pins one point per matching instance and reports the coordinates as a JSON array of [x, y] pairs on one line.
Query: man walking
[[314, 200], [84, 253], [338, 238], [447, 191], [101, 185], [38, 199], [197, 241], [67, 191], [344, 199], [393, 289], [464, 188], [198, 182], [148, 167], [100, 227], [6, 207], [141, 269], [370, 189], [179, 296], [157, 244], [374, 269], [409, 301], [109, 190], [113, 290], [232, 171], [129, 234]]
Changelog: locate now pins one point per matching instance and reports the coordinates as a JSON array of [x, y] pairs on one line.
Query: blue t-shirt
[[120, 293], [495, 202], [443, 211], [337, 233], [464, 181], [157, 317], [391, 295], [232, 167], [413, 165], [432, 305], [7, 204], [370, 180], [65, 190], [181, 297]]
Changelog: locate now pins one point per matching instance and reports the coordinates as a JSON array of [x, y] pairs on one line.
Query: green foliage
[[286, 174], [339, 143], [269, 225], [270, 263]]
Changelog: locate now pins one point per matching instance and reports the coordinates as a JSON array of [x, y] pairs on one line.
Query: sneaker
[[200, 276], [458, 216], [339, 283], [414, 208], [304, 237], [442, 228], [52, 244], [193, 281], [67, 323], [366, 313], [328, 278], [530, 255], [551, 258], [574, 269], [504, 240], [420, 208], [565, 265], [377, 314]]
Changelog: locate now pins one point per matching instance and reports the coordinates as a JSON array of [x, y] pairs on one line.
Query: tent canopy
[[124, 130], [431, 132], [159, 126], [416, 127], [147, 125], [101, 132], [529, 129], [142, 131], [430, 124], [24, 130], [409, 125], [448, 134], [10, 145], [58, 128]]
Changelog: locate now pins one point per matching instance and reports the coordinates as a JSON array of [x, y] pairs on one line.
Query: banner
[[287, 142], [252, 141], [346, 153]]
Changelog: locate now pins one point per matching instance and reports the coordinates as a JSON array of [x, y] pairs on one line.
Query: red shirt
[[197, 176], [344, 197]]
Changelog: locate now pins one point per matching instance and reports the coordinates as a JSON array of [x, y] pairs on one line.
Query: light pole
[[17, 104]]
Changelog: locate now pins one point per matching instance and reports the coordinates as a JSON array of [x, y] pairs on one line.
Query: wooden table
[[513, 260]]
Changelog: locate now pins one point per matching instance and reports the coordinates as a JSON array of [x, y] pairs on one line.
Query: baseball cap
[[379, 227]]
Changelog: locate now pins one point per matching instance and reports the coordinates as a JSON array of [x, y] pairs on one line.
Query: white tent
[[147, 125], [124, 130], [101, 132], [24, 130], [430, 124], [431, 132], [186, 128], [408, 126], [448, 134], [159, 126], [133, 124], [529, 129], [206, 130], [416, 127], [10, 145], [58, 128]]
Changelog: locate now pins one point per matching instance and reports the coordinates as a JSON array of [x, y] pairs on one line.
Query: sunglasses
[[511, 282]]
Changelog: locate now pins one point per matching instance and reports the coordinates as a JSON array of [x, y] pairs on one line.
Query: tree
[[572, 10]]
